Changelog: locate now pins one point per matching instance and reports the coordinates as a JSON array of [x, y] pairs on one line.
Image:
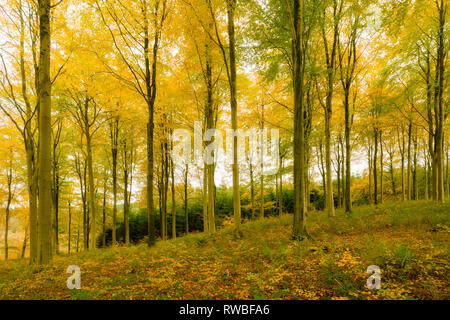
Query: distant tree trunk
[[280, 193], [70, 227], [126, 205], [343, 181], [381, 167], [425, 171], [401, 144], [252, 190], [447, 174], [104, 213], [24, 244], [56, 181], [114, 136], [165, 186], [369, 158], [81, 172], [415, 187], [338, 175], [30, 146], [409, 160], [186, 213], [56, 202], [92, 209], [205, 200], [262, 137], [174, 210], [322, 172], [375, 160], [45, 128], [8, 206], [391, 171]]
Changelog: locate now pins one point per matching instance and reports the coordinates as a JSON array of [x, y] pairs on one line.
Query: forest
[[224, 149]]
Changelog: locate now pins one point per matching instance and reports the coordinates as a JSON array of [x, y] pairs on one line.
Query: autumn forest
[[224, 149]]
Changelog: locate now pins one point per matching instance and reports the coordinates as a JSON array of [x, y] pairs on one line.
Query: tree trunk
[[338, 174], [126, 205], [299, 224], [375, 160], [252, 190], [231, 6], [8, 206], [104, 214], [438, 105], [280, 194], [24, 244], [409, 161], [174, 210], [45, 126], [262, 138], [347, 193], [381, 167], [92, 209], [70, 227], [114, 135], [186, 213]]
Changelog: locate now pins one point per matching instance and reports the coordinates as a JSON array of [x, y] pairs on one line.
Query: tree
[[125, 30], [45, 125]]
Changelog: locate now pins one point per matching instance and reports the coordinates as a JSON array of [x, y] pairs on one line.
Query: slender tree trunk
[[126, 205], [205, 200], [104, 214], [24, 244], [401, 142], [330, 62], [280, 193], [439, 92], [231, 6], [381, 167], [114, 135], [369, 158], [30, 148], [322, 167], [8, 207], [347, 192], [425, 170], [409, 161], [44, 179], [391, 171], [150, 86], [447, 174], [70, 227], [252, 190], [186, 213], [174, 210], [338, 175], [375, 161], [92, 209], [299, 224], [415, 187], [262, 138]]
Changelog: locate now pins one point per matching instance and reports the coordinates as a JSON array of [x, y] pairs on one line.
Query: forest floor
[[409, 241]]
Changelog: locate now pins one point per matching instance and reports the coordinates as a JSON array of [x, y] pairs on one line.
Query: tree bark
[[231, 6], [299, 231], [44, 179]]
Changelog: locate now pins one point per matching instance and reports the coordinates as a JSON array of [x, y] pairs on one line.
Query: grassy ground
[[408, 241]]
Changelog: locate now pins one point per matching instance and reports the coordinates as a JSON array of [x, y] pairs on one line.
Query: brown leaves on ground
[[264, 264]]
